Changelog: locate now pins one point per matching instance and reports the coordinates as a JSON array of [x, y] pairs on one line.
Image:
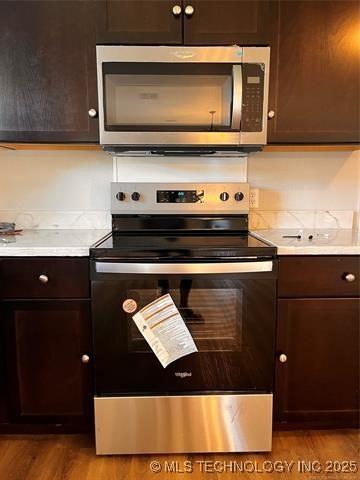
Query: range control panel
[[179, 198]]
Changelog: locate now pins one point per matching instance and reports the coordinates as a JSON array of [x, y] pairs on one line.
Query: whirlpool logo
[[183, 374]]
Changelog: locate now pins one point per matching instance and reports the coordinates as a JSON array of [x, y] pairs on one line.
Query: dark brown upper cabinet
[[226, 22], [315, 72], [198, 22], [139, 22], [47, 71]]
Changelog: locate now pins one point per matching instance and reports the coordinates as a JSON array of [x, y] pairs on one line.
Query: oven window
[[213, 316], [168, 97]]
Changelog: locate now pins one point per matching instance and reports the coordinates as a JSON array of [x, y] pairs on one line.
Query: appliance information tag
[[164, 329]]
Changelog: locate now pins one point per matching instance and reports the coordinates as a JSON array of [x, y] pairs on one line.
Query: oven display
[[176, 196]]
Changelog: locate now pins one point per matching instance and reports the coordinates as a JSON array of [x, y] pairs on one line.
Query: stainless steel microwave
[[159, 98]]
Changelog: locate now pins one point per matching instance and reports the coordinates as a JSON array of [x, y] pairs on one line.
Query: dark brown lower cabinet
[[318, 384], [47, 382]]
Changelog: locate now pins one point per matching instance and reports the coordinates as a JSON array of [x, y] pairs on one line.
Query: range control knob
[[239, 196], [224, 196], [120, 196], [135, 196]]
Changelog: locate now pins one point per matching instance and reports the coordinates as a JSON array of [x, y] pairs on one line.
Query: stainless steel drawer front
[[182, 424], [185, 268]]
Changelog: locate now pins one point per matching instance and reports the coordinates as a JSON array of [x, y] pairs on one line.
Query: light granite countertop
[[324, 242], [50, 243], [77, 242]]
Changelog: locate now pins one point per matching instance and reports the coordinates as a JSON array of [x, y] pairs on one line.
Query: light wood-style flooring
[[72, 457]]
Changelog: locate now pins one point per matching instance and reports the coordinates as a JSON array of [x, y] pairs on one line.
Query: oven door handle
[[237, 97], [185, 268]]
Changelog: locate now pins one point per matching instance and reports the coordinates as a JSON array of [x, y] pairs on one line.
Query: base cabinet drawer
[[317, 368], [44, 278], [319, 276]]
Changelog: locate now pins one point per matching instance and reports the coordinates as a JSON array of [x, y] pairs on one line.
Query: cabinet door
[[47, 71], [319, 382], [226, 22], [47, 380], [139, 22], [315, 73], [3, 400]]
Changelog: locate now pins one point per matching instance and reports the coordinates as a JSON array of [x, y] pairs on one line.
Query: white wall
[[181, 169], [306, 180], [54, 180], [79, 180]]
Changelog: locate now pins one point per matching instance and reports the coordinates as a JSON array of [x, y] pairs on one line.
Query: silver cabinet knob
[[43, 279], [189, 10], [283, 358], [85, 359], [92, 113], [350, 277], [271, 114], [176, 10]]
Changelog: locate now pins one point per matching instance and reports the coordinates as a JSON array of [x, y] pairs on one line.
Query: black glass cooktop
[[181, 246]]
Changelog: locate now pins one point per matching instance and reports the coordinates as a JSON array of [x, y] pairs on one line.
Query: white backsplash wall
[[322, 186], [180, 169], [76, 184], [55, 189]]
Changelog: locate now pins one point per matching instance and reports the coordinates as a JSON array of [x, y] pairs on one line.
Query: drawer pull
[[44, 279], [350, 277], [283, 358], [85, 359]]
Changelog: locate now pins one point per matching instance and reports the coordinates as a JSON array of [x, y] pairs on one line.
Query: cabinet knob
[[92, 113], [189, 10], [43, 279], [350, 277], [283, 358], [271, 114], [85, 359], [176, 10]]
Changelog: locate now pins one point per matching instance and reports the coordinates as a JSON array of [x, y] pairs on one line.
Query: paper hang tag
[[165, 331]]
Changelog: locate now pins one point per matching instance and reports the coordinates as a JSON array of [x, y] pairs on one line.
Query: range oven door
[[229, 309], [182, 96]]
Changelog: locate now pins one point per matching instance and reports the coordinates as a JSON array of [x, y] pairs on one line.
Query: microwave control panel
[[181, 198], [252, 97]]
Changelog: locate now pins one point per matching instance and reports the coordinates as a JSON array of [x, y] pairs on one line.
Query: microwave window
[[191, 100]]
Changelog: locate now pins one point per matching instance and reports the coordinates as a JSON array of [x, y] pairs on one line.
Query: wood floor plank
[[72, 457]]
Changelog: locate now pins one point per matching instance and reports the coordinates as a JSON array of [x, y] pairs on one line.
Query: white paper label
[[164, 329]]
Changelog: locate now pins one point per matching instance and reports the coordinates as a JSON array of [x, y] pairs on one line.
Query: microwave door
[[237, 98]]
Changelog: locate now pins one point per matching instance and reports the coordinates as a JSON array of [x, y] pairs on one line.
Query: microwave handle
[[237, 97]]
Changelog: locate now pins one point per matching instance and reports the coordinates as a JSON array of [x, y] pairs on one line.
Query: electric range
[[192, 242]]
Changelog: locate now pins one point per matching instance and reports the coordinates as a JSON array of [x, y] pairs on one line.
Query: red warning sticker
[[129, 305]]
